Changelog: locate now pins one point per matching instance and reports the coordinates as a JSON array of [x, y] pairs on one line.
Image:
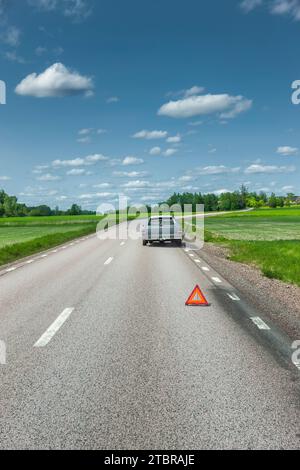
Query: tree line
[[10, 207], [230, 201]]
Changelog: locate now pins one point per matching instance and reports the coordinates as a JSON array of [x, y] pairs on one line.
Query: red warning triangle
[[197, 298]]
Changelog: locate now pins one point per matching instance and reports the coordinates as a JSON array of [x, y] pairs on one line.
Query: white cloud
[[5, 178], [185, 178], [96, 195], [212, 150], [11, 37], [89, 160], [137, 184], [48, 177], [218, 192], [196, 123], [12, 56], [84, 140], [130, 174], [155, 151], [132, 161], [277, 7], [195, 90], [249, 5], [76, 172], [40, 50], [112, 99], [102, 185], [174, 139], [170, 152], [150, 135], [56, 81], [77, 10], [288, 189], [85, 131], [225, 105], [286, 150], [216, 170], [257, 168]]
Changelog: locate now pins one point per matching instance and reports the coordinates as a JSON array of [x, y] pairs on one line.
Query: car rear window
[[163, 221]]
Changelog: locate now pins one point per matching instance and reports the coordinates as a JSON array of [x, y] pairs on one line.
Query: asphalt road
[[126, 365]]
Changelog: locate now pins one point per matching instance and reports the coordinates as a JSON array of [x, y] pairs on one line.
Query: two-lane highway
[[103, 353]]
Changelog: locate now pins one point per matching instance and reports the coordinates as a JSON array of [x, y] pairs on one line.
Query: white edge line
[[10, 270], [56, 325]]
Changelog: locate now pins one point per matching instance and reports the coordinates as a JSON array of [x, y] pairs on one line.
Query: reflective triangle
[[197, 298]]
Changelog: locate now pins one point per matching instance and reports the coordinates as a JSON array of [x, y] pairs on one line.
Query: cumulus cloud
[[150, 135], [48, 177], [174, 139], [76, 172], [155, 151], [137, 184], [5, 178], [225, 105], [55, 81], [258, 168], [96, 195], [286, 150], [132, 161], [170, 152], [89, 160], [216, 170], [130, 174]]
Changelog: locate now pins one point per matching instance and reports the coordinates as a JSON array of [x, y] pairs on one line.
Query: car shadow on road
[[165, 245]]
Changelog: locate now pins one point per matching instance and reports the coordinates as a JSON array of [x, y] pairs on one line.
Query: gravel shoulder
[[275, 299]]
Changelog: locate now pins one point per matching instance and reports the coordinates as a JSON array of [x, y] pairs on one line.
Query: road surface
[[102, 353]]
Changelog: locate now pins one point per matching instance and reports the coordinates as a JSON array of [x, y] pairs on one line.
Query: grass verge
[[277, 259], [15, 251]]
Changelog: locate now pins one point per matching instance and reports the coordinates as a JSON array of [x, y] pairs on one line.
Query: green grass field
[[24, 236], [266, 238], [11, 235]]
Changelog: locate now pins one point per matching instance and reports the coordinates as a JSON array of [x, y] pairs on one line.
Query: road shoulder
[[277, 300]]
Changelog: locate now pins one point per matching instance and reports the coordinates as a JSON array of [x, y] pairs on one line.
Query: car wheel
[[145, 242]]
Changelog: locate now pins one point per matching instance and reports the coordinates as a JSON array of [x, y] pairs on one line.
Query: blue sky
[[144, 98]]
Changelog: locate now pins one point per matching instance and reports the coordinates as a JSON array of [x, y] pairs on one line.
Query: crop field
[[24, 236], [267, 238], [268, 224]]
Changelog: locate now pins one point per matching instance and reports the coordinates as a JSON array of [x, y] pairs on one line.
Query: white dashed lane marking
[[53, 329], [233, 296], [108, 261], [260, 323], [217, 280], [205, 268]]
